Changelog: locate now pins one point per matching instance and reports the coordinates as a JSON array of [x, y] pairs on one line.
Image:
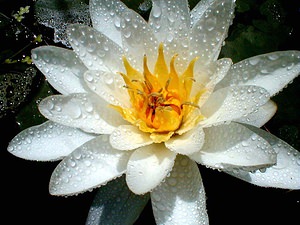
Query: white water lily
[[152, 99]]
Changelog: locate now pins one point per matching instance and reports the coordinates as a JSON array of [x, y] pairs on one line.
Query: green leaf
[[115, 204]]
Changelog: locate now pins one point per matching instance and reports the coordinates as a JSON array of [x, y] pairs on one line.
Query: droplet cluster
[[180, 199], [14, 88]]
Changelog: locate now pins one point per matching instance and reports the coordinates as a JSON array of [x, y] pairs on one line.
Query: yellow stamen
[[160, 100]]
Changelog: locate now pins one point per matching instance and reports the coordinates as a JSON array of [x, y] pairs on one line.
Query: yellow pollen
[[160, 101]]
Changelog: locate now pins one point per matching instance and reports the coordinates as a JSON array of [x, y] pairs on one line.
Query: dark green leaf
[[115, 204]]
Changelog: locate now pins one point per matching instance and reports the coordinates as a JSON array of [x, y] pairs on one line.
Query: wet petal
[[138, 39], [128, 137], [180, 199], [61, 67], [106, 17], [285, 174], [83, 111], [170, 21], [234, 146], [199, 10], [91, 165], [211, 30], [114, 203], [261, 116], [96, 50], [33, 143], [188, 142], [148, 166], [272, 71], [109, 86], [232, 103]]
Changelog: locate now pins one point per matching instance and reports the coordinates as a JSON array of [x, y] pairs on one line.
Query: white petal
[[170, 21], [91, 165], [48, 141], [83, 111], [115, 204], [181, 198], [106, 17], [128, 137], [138, 39], [232, 103], [95, 50], [261, 116], [109, 86], [199, 10], [286, 172], [61, 67], [210, 75], [234, 146], [210, 31], [188, 142], [148, 166], [272, 71]]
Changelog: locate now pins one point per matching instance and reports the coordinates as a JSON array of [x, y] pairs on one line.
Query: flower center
[[160, 100]]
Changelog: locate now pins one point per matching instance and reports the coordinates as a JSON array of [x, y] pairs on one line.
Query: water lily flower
[[151, 100]]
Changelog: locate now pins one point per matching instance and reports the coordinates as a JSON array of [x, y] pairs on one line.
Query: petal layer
[[285, 174], [272, 71], [34, 142], [148, 166], [232, 103], [128, 137], [261, 116], [62, 68], [234, 146], [187, 143], [209, 32], [95, 50], [180, 199], [91, 165], [109, 86], [83, 111], [106, 17]]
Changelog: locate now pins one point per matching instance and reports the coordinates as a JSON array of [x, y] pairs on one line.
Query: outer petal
[[61, 67], [272, 71], [232, 103], [234, 146], [199, 10], [181, 198], [170, 21], [148, 166], [109, 86], [187, 143], [48, 141], [261, 116], [128, 137], [91, 165], [211, 30], [83, 111], [115, 204], [286, 172], [106, 17], [95, 50]]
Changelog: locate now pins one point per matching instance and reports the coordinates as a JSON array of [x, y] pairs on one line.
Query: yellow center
[[161, 102]]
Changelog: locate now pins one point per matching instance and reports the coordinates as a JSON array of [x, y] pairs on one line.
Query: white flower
[[151, 99]]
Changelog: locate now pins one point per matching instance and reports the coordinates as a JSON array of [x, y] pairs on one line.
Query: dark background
[[24, 184]]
